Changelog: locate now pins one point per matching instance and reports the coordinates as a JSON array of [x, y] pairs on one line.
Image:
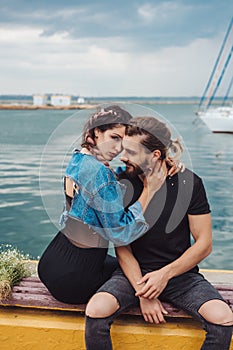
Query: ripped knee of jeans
[[228, 323], [102, 305], [216, 312]]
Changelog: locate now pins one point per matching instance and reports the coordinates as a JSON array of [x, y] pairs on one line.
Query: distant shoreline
[[23, 105], [30, 107]]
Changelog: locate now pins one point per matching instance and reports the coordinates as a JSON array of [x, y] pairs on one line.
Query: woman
[[76, 263]]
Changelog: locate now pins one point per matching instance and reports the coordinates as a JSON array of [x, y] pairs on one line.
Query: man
[[161, 265]]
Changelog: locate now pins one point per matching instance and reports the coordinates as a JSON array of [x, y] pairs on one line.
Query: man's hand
[[155, 282], [152, 310]]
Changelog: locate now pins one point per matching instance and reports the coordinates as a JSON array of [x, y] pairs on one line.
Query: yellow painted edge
[[43, 307], [39, 330], [217, 271], [48, 319]]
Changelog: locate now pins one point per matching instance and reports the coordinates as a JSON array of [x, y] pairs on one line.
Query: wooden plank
[[33, 294], [222, 287], [30, 290], [31, 279]]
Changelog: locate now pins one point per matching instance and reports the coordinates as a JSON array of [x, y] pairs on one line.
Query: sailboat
[[219, 119]]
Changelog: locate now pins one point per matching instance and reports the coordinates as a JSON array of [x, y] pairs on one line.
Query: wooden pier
[[32, 319]]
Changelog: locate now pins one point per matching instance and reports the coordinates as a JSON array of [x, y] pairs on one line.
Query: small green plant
[[13, 267]]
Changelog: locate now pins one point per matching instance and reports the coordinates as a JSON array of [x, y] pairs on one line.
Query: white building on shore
[[40, 100], [60, 100], [80, 100]]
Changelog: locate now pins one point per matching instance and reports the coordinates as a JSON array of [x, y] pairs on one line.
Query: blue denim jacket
[[99, 201]]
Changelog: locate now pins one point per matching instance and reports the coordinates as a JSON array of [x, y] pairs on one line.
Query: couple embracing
[[149, 208]]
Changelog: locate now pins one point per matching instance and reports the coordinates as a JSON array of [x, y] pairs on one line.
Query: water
[[24, 222]]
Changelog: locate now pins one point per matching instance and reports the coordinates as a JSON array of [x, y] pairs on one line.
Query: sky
[[110, 48]]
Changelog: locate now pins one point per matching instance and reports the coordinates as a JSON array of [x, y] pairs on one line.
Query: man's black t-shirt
[[167, 215]]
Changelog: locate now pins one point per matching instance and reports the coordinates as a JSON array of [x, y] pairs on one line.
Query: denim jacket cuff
[[136, 210]]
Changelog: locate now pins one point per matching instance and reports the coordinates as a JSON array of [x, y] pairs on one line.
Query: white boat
[[219, 119]]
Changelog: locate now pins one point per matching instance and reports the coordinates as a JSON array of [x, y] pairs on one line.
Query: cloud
[[148, 24], [147, 12], [93, 70], [102, 48], [164, 12]]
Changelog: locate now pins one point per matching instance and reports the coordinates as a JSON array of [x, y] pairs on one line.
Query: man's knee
[[102, 305], [217, 312]]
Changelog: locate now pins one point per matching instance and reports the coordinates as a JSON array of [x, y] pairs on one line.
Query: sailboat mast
[[220, 78], [228, 92], [216, 64]]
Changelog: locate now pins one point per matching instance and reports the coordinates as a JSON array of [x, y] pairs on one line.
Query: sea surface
[[35, 148]]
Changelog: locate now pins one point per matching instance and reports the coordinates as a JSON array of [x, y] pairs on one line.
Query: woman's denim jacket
[[98, 201]]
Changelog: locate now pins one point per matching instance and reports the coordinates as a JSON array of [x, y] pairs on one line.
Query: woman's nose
[[123, 156], [118, 147]]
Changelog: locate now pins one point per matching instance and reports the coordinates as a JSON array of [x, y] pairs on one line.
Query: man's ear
[[156, 154]]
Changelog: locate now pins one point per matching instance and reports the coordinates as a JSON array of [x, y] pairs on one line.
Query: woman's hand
[[175, 166], [155, 176], [152, 310], [155, 282]]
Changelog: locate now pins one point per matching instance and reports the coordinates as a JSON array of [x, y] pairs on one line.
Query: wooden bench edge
[[32, 294]]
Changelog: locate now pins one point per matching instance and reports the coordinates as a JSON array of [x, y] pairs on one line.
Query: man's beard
[[133, 170]]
